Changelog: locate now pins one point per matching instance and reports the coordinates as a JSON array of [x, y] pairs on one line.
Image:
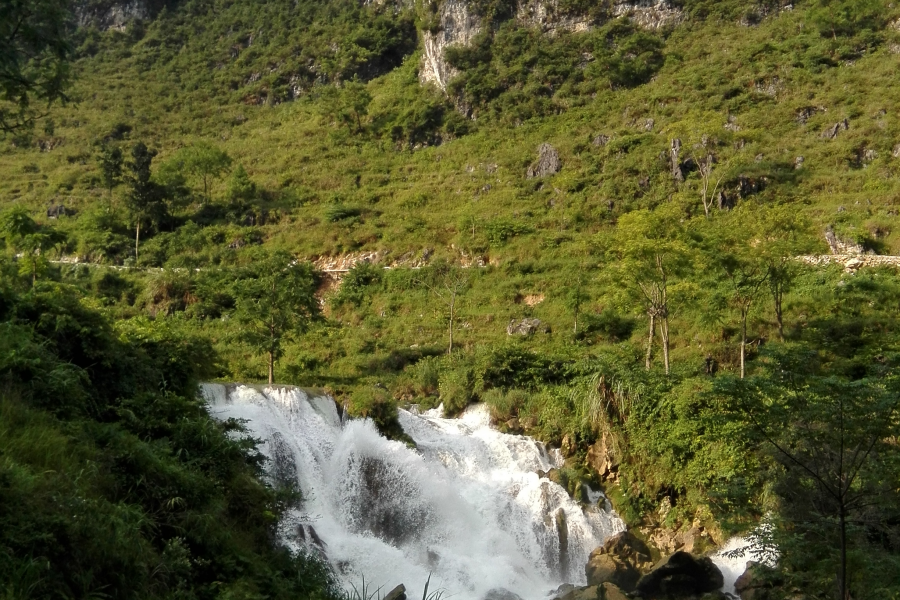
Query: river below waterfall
[[467, 506]]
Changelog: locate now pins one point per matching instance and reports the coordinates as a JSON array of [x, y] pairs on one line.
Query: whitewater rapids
[[467, 506]]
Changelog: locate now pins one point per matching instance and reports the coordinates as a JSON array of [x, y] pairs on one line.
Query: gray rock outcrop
[[547, 163], [113, 14], [526, 326], [458, 26], [833, 131]]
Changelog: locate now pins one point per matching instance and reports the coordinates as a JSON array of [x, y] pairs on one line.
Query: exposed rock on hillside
[[649, 14], [114, 14], [546, 15], [458, 25], [548, 162], [526, 327]]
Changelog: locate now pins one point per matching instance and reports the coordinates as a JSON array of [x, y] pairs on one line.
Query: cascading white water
[[468, 506]]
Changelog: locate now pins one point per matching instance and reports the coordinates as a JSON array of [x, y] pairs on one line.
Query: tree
[[710, 174], [275, 302], [34, 59], [648, 257], [111, 162], [240, 188], [834, 438], [203, 161], [737, 268], [575, 298], [348, 104], [145, 200], [451, 284], [30, 240], [783, 235]]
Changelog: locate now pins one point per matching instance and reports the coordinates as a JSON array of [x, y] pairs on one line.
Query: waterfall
[[466, 506]]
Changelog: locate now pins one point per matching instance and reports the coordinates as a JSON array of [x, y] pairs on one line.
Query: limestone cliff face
[[649, 14], [459, 25], [114, 14]]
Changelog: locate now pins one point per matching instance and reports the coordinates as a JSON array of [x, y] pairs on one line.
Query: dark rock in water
[[619, 561], [607, 568], [307, 536], [756, 582], [548, 162], [562, 530], [680, 576], [606, 591], [562, 590], [500, 594], [398, 593]]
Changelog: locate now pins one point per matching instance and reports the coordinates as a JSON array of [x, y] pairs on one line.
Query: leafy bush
[[357, 284], [340, 212], [457, 388], [513, 366]]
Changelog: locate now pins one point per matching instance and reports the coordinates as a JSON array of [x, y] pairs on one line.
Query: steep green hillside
[[691, 158]]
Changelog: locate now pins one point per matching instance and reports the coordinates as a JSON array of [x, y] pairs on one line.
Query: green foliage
[[145, 201], [34, 59], [202, 161], [241, 189], [512, 366], [457, 388], [22, 234], [516, 74], [833, 466], [115, 480], [275, 302], [358, 284]]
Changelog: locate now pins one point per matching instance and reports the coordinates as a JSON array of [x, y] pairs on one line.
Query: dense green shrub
[[114, 479], [457, 388]]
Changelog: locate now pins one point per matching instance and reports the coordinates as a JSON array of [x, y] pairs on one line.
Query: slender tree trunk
[[843, 569], [744, 310], [650, 340], [271, 367], [664, 334], [137, 239], [452, 306], [575, 331], [777, 296]]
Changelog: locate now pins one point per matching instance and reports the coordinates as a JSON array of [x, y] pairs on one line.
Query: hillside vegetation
[[644, 296]]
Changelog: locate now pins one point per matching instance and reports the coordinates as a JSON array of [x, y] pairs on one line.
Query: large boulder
[[607, 568], [526, 326], [600, 457], [756, 582], [680, 576], [398, 593], [501, 594], [619, 561], [605, 591], [547, 163]]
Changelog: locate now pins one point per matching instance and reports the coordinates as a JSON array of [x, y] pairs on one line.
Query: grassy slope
[[433, 197]]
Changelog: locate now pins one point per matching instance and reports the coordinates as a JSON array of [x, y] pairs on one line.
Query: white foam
[[467, 506]]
